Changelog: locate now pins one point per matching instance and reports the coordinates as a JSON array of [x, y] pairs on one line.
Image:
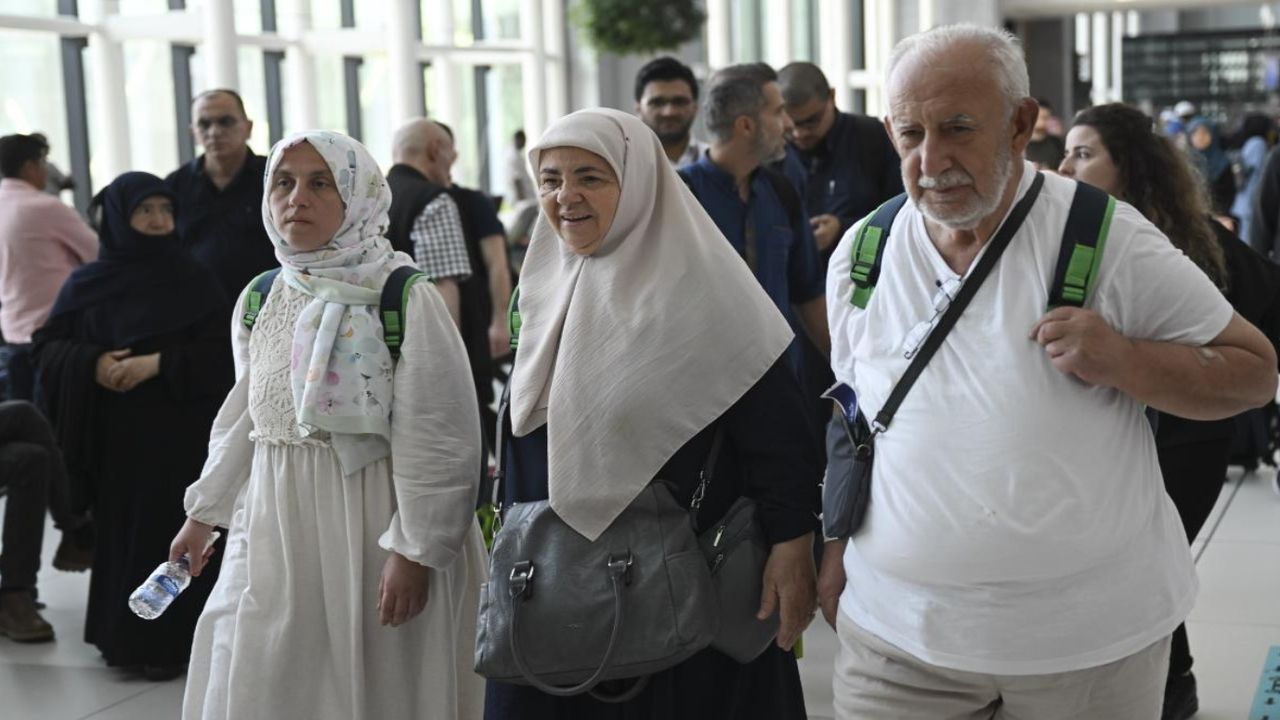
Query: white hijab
[[629, 353]]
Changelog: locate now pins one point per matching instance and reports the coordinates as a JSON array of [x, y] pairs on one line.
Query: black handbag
[[846, 491], [736, 553]]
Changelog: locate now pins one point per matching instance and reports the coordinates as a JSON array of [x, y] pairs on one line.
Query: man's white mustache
[[948, 179]]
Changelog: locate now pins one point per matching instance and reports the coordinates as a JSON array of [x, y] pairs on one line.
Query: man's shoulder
[[183, 174]]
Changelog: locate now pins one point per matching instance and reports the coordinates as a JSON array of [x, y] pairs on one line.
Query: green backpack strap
[[394, 306], [868, 250], [256, 297], [1084, 237], [513, 318]]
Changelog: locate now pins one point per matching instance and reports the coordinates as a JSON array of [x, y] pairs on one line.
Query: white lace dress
[[291, 630]]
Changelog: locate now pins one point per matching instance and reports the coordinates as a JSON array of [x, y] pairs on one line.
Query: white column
[[218, 46], [301, 109], [402, 61], [778, 33], [835, 29], [443, 104], [109, 116], [534, 71], [1100, 58], [557, 79], [1117, 57], [719, 35]]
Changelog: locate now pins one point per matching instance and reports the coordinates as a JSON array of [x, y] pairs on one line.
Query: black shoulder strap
[[787, 194], [259, 288], [1083, 239], [394, 307], [968, 289], [868, 249]]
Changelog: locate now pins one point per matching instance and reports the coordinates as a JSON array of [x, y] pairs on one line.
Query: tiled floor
[[1234, 623]]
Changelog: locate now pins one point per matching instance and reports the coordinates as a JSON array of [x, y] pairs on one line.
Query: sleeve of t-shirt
[[804, 274], [80, 239], [1149, 290], [485, 216]]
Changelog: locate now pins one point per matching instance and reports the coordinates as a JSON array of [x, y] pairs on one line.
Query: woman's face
[[153, 216], [305, 205], [1201, 138], [1088, 161], [579, 194]]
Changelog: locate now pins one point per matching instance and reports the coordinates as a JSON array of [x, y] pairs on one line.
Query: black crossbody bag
[[846, 493]]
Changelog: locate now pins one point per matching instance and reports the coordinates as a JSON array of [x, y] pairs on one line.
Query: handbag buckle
[[621, 566], [522, 579]]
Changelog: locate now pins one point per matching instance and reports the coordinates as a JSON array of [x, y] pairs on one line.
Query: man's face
[[36, 172], [772, 127], [1042, 122], [812, 120], [668, 108], [219, 126], [956, 136]]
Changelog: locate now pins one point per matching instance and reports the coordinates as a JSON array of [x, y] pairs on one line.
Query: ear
[[744, 126], [1023, 123], [831, 96], [248, 127]]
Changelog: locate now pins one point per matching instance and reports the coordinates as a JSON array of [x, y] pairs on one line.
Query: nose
[[788, 127], [933, 156], [300, 196], [568, 194]]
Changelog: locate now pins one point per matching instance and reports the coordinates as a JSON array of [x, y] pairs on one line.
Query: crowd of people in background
[[673, 286]]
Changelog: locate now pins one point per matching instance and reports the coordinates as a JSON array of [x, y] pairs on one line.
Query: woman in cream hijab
[[347, 479], [642, 331]]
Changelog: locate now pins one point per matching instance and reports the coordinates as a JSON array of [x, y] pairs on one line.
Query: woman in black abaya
[[133, 369]]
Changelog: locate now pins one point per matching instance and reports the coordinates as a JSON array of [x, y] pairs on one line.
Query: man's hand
[[499, 339], [831, 579], [789, 588], [826, 230], [191, 541], [128, 373], [107, 361], [402, 590], [1080, 343]]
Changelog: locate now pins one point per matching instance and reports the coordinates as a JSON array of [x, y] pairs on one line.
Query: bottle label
[[170, 586]]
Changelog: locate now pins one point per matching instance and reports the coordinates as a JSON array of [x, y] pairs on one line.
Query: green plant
[[638, 26]]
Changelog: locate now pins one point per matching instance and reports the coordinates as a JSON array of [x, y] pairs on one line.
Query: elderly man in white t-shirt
[[1020, 558]]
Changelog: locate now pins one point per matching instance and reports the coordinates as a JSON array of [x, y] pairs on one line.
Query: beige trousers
[[875, 680]]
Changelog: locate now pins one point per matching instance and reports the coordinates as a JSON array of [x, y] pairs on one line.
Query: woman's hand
[[191, 541], [128, 373], [106, 363], [789, 588], [402, 590]]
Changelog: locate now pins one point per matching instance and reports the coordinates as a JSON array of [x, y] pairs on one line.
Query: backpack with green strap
[[1083, 239], [393, 308]]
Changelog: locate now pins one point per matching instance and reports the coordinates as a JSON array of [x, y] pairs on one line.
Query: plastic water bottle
[[169, 579]]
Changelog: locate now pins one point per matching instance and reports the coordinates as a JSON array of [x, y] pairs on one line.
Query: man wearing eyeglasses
[[220, 193], [667, 101]]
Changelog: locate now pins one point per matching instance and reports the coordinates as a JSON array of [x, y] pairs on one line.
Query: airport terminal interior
[[120, 86]]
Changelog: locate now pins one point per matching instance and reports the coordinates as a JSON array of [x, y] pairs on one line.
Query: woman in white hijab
[[642, 332], [350, 583]]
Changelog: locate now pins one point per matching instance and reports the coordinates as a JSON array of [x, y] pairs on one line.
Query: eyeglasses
[[947, 290], [223, 121]]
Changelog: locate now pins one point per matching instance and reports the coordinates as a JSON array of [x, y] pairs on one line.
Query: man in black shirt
[[219, 214], [852, 165]]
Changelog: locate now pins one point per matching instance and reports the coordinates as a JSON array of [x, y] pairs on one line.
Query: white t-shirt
[[1018, 521]]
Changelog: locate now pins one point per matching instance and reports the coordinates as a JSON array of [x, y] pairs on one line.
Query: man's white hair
[[1003, 50]]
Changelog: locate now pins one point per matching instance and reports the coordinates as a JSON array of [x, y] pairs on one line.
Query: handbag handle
[[521, 577]]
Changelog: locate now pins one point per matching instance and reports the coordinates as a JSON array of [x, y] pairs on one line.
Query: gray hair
[[1003, 49], [733, 92]]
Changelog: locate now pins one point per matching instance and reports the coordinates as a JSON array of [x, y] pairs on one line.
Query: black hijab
[[141, 286]]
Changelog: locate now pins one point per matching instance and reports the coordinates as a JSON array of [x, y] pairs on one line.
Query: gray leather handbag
[[563, 613]]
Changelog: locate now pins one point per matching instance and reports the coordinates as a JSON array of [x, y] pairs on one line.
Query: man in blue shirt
[[756, 207], [851, 163]]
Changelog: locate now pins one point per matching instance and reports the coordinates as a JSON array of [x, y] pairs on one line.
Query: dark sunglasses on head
[[224, 121]]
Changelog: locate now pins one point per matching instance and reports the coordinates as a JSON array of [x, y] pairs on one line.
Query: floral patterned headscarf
[[341, 368]]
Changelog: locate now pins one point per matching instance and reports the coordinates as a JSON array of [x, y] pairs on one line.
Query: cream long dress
[[291, 630]]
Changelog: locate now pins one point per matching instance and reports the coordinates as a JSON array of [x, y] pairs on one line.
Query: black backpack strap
[[394, 307], [787, 194], [868, 250], [256, 297], [1083, 239]]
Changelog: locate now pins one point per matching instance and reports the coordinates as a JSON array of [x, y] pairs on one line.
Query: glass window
[[744, 21], [248, 19], [32, 99], [375, 108], [153, 132], [331, 97], [31, 7], [144, 7], [253, 88], [372, 15], [325, 14], [502, 20], [804, 30], [506, 115]]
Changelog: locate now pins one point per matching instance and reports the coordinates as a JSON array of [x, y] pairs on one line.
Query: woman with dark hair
[[1254, 142], [1115, 147], [133, 366], [1204, 143]]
